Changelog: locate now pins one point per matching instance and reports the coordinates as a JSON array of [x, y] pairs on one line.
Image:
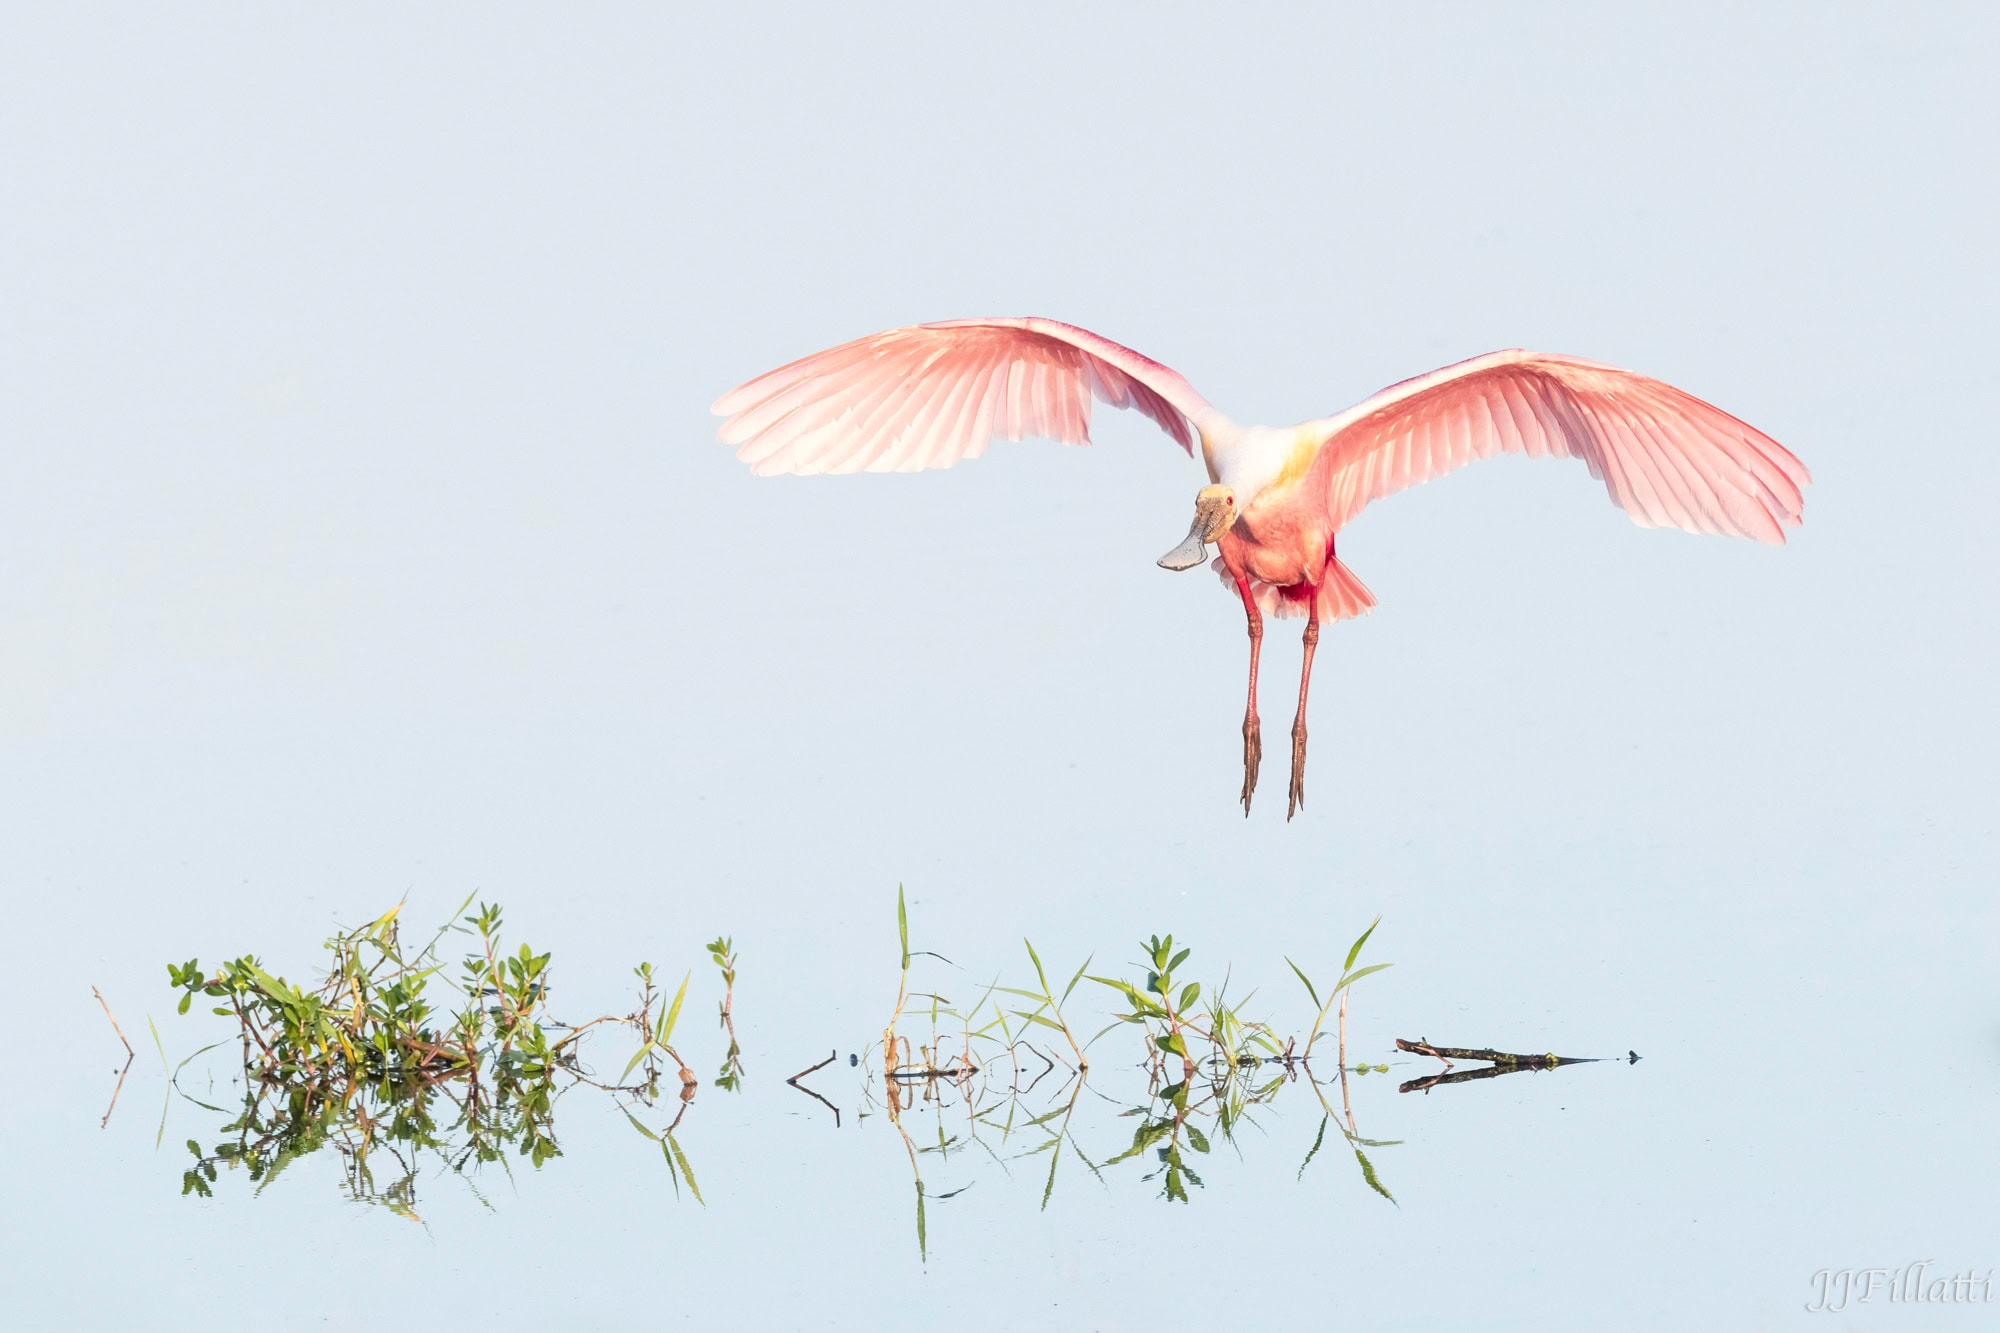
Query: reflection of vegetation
[[979, 1076], [396, 1060], [390, 1056], [723, 951], [1501, 1062]]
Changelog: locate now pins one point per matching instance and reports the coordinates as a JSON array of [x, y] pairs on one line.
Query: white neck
[[1246, 459]]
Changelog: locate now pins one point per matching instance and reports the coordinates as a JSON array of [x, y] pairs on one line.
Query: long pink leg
[[1297, 800], [1253, 740]]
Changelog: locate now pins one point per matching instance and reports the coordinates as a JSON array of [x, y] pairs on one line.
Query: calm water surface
[[363, 534]]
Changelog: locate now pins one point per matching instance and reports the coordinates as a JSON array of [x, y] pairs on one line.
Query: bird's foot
[[1253, 754], [1297, 800]]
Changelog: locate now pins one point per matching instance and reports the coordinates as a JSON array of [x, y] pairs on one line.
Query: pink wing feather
[[931, 394], [1668, 458]]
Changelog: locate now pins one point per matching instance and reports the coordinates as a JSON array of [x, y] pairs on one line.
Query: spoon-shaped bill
[[1190, 552]]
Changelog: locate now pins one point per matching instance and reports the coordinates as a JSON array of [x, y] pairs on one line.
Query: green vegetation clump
[[393, 1049]]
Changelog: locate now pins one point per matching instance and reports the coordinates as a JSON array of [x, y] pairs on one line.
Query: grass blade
[[158, 1045], [1085, 967], [1353, 977], [1305, 980], [673, 1013], [1036, 960], [1355, 952], [903, 931]]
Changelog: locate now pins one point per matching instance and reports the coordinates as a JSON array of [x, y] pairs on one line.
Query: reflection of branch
[[114, 1093], [1047, 1066], [124, 1069], [794, 1081], [1464, 1076], [1499, 1062]]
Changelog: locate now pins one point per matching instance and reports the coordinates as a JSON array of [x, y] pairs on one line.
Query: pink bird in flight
[[931, 394]]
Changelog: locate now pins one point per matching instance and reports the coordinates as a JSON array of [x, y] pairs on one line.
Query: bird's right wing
[[931, 394]]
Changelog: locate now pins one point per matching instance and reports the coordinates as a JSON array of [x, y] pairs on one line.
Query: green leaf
[[1353, 977], [1125, 988], [686, 1170], [1355, 952], [1113, 1024], [1189, 994], [673, 1172], [632, 1064], [903, 931], [1308, 984], [1313, 1151], [673, 1013], [1050, 1188], [1368, 1170], [1179, 958], [1196, 1140], [1078, 977], [186, 1000], [1033, 958], [1172, 1042], [1144, 1137]]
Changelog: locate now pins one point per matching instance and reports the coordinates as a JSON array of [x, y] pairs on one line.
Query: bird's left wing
[[1668, 458], [930, 394]]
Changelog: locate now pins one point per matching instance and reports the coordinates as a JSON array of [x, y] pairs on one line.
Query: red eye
[[1231, 500]]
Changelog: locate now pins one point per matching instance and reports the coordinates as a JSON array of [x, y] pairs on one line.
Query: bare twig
[[114, 1024], [1451, 1053], [794, 1081]]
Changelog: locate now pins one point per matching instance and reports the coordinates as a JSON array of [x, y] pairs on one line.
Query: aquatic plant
[[1211, 1067], [371, 1055], [722, 951]]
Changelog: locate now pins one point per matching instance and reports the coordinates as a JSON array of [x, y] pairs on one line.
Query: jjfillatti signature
[[1834, 1289]]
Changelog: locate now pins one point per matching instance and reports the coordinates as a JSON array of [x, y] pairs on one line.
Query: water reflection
[[1208, 1069], [1011, 1111], [397, 1066]]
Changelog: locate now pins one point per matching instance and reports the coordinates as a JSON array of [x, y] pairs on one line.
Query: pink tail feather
[[1342, 596]]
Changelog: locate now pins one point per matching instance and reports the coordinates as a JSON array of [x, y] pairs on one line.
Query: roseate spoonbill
[[931, 394]]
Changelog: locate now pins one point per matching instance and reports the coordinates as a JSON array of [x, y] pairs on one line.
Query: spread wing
[[1668, 458], [931, 394]]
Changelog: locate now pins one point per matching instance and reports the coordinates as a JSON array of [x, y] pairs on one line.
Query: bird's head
[[1215, 509]]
